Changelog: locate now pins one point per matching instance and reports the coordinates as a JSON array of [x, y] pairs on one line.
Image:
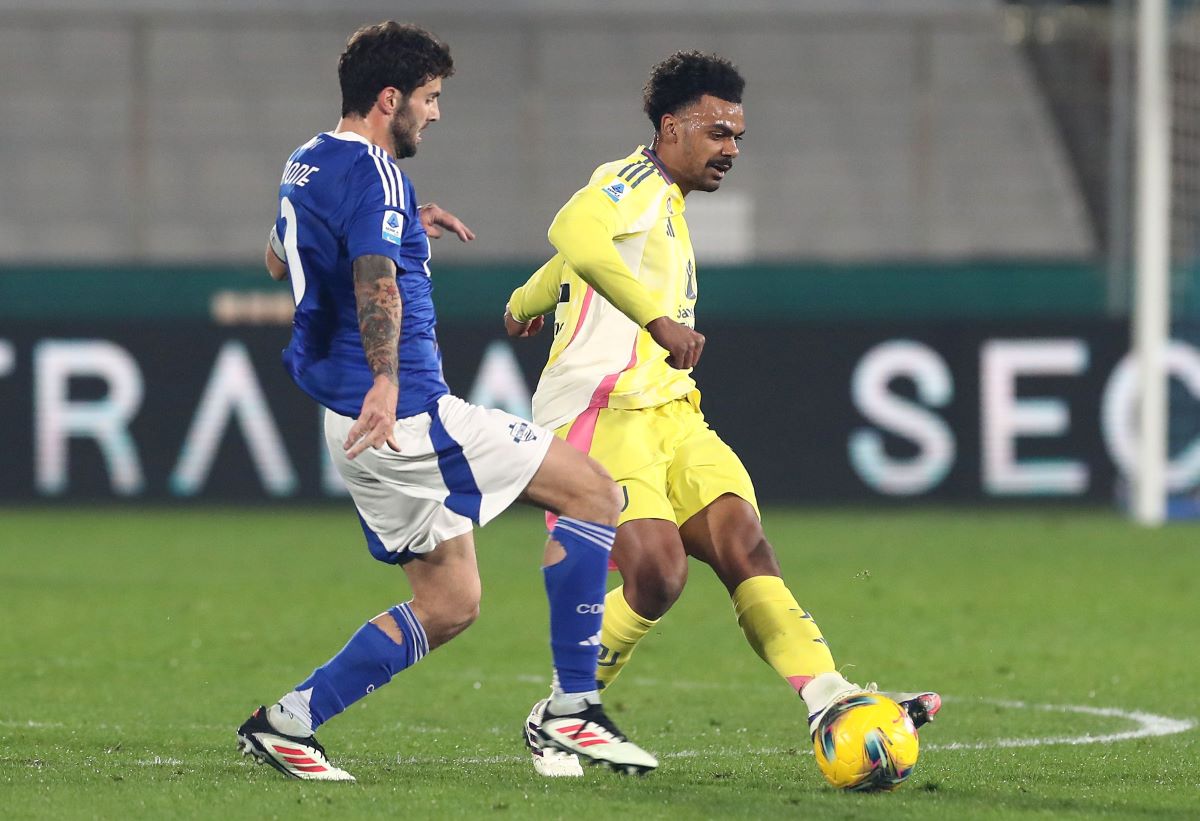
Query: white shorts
[[457, 464]]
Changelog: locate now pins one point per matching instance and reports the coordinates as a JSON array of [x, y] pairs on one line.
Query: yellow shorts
[[669, 463]]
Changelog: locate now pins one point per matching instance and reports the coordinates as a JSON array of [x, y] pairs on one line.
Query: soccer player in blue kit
[[421, 465]]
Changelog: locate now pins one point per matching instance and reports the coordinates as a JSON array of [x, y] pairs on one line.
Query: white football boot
[[829, 689], [591, 736], [294, 756], [547, 760]]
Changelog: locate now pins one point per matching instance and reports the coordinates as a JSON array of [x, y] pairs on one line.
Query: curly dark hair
[[685, 77], [389, 54]]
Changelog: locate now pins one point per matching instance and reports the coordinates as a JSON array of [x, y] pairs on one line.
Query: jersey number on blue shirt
[[291, 246]]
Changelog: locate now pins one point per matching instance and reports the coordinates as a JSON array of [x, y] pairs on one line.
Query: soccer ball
[[866, 742]]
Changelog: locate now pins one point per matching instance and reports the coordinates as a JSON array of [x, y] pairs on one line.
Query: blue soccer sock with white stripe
[[367, 662], [575, 588]]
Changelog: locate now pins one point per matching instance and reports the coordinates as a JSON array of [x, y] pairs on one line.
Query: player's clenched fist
[[683, 345], [519, 329]]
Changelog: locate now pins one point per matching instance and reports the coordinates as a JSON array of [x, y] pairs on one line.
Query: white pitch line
[[33, 725], [677, 684], [1148, 725]]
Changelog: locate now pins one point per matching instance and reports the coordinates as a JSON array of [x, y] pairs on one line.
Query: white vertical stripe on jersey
[[389, 172], [388, 197], [392, 173], [390, 169]]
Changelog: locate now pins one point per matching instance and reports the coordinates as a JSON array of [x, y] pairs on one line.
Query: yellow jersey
[[624, 258]]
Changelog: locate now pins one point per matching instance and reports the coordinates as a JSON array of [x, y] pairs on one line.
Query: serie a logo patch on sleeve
[[393, 227], [615, 190]]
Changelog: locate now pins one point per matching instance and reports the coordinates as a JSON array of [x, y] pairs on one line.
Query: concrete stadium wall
[[156, 131]]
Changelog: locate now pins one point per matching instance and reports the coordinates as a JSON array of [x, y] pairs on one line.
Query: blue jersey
[[341, 197]]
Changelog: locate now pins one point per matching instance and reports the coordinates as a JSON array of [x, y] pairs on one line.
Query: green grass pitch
[[134, 642]]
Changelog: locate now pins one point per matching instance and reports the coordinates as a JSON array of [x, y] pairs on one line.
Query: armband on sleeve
[[276, 246], [539, 294]]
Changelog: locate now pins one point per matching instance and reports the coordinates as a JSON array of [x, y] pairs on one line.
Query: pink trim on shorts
[[605, 389], [583, 430]]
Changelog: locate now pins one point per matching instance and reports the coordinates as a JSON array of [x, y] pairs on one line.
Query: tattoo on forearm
[[379, 312]]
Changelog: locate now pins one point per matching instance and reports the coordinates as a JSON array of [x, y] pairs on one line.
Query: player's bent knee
[[654, 600], [655, 583], [615, 498], [673, 579], [594, 497], [596, 468], [448, 615], [446, 625], [672, 576], [572, 484], [666, 570], [465, 611], [743, 537], [608, 490], [459, 621]]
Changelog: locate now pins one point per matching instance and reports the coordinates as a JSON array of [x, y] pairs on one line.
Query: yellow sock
[[620, 632], [782, 632]]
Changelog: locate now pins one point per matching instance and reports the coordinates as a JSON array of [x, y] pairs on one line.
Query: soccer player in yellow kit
[[618, 387]]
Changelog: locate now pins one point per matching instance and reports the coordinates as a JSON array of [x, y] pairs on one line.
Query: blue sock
[[368, 661], [575, 588]]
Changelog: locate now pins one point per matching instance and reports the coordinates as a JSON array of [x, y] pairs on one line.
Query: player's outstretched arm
[[434, 218], [379, 313], [525, 313]]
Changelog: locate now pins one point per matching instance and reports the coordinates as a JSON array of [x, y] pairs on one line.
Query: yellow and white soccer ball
[[866, 742]]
